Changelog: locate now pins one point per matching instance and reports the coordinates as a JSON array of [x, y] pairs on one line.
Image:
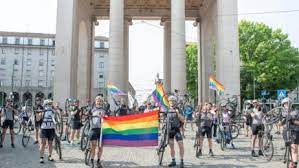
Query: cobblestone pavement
[[142, 157]]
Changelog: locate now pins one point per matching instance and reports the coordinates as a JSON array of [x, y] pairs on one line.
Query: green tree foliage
[[268, 57], [191, 68]]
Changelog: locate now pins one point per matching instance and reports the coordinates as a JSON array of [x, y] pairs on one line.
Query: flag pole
[[101, 137]]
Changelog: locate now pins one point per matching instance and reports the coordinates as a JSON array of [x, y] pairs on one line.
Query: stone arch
[[27, 97]]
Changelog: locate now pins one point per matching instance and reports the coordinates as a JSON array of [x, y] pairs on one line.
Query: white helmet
[[48, 102], [286, 100], [24, 108], [172, 98]]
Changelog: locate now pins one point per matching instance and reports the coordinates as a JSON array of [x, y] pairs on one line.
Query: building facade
[[27, 65]]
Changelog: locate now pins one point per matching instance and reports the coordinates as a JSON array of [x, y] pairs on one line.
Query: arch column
[[167, 56], [116, 74], [178, 46]]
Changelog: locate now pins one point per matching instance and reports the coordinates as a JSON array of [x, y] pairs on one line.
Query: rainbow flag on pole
[[114, 90], [215, 85], [160, 96], [137, 130]]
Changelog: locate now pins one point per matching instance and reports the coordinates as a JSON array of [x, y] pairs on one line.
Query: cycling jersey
[[206, 119], [48, 119], [8, 114], [225, 117], [97, 113], [173, 119], [257, 118]]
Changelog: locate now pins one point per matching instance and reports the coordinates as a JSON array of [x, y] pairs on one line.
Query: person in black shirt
[[38, 109], [75, 117]]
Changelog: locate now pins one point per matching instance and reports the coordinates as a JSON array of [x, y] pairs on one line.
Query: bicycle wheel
[[84, 136], [68, 135], [267, 148], [161, 149], [288, 155], [25, 137], [197, 148], [17, 127], [87, 156], [222, 141], [58, 147], [235, 131]]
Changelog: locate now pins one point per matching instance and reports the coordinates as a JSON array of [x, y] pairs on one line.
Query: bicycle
[[266, 142], [57, 146], [84, 134], [197, 144], [27, 132], [17, 126]]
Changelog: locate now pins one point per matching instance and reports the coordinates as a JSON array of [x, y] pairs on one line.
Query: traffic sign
[[281, 94]]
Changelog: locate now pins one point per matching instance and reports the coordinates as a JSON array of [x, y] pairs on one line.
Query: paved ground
[[142, 157]]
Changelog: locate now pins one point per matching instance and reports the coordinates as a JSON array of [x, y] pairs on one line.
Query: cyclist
[[257, 125], [37, 118], [226, 121], [294, 128], [68, 116], [175, 118], [247, 116], [8, 112], [214, 111], [97, 113], [188, 114], [205, 119], [75, 122], [148, 108], [47, 130]]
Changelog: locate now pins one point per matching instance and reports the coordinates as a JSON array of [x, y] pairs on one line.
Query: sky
[[146, 49]]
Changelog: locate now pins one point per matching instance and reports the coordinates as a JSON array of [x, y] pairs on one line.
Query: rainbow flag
[[136, 130], [160, 96], [114, 90], [215, 85]]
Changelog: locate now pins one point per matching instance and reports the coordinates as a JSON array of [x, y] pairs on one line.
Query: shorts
[[38, 124], [205, 131], [294, 136], [25, 118], [95, 134], [175, 133], [8, 124], [256, 128], [48, 134], [75, 125], [189, 117]]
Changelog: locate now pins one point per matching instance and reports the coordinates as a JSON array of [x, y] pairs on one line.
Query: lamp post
[[12, 76]]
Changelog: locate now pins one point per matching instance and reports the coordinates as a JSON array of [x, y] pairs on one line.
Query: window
[[53, 43], [27, 82], [4, 40], [17, 41], [101, 84], [41, 73], [52, 62], [53, 52], [29, 51], [29, 41], [52, 73], [40, 83], [16, 62], [101, 55], [41, 51], [42, 42], [102, 44], [17, 50], [101, 76], [3, 50], [3, 61], [29, 62], [41, 63], [101, 65]]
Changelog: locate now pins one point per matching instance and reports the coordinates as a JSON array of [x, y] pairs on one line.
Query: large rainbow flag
[[137, 130], [114, 90], [160, 96], [215, 85]]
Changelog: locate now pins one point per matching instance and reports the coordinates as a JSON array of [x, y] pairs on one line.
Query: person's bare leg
[[12, 136], [3, 135], [294, 148]]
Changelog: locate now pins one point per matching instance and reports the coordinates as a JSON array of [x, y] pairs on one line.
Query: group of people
[[208, 118]]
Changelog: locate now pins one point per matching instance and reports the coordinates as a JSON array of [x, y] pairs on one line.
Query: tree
[[266, 57], [191, 68]]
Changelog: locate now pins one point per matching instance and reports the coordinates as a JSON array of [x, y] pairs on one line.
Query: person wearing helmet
[[37, 111], [25, 114], [257, 125], [175, 118], [75, 122], [205, 118], [291, 116], [97, 113], [247, 116], [8, 112], [47, 129]]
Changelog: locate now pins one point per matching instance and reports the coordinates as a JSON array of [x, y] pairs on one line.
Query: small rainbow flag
[[138, 130], [160, 96], [114, 90], [215, 85]]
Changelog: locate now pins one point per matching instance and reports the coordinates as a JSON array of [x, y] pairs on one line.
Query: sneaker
[[233, 146], [211, 153], [91, 164], [182, 165], [260, 153], [199, 153], [41, 160], [50, 159], [1, 146], [63, 139], [13, 145], [99, 165], [172, 164], [35, 142], [253, 154]]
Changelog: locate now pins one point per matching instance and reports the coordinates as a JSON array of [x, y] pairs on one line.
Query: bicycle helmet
[[100, 98], [48, 102], [172, 98], [286, 100]]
